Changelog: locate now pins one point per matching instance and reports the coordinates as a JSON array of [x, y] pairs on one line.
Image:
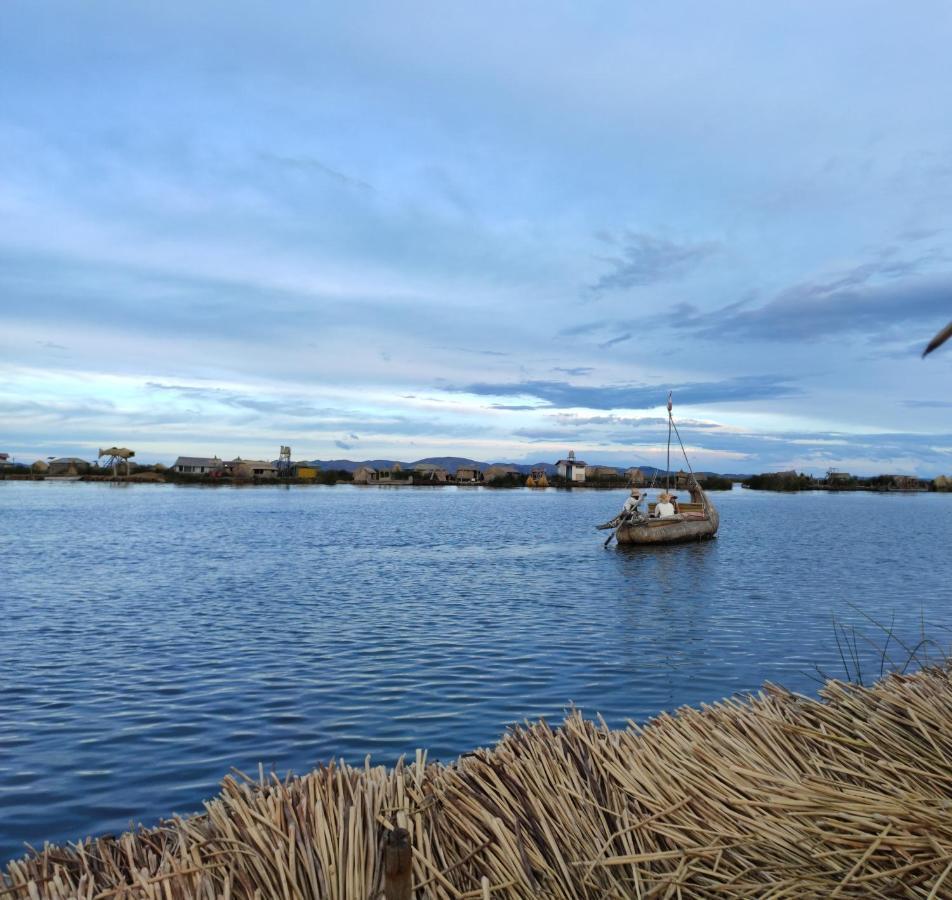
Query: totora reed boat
[[694, 521]]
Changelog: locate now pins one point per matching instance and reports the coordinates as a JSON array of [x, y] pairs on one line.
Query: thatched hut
[[68, 465], [40, 467]]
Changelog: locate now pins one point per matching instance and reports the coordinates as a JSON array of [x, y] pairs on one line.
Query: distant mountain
[[348, 465], [452, 463]]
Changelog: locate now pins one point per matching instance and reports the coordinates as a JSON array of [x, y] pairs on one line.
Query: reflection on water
[[155, 636]]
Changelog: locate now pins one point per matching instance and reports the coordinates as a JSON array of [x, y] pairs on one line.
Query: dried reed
[[773, 796]]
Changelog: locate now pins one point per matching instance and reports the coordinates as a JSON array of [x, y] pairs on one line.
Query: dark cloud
[[929, 404], [879, 296], [515, 407], [645, 259], [615, 340], [343, 446], [563, 395], [576, 372]]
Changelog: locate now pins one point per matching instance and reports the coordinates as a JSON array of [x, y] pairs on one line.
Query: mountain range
[[451, 464]]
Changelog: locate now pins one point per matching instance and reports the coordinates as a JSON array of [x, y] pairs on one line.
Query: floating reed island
[[776, 795]]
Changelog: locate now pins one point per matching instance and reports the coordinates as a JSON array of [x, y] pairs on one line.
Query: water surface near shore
[[155, 636]]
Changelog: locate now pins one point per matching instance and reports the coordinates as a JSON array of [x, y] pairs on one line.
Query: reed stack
[[776, 795]]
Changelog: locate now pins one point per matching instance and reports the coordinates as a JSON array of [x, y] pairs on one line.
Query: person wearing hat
[[664, 508], [630, 509]]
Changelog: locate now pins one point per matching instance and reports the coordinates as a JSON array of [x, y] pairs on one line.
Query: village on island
[[116, 464]]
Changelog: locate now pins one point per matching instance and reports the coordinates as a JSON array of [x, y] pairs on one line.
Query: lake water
[[155, 636]]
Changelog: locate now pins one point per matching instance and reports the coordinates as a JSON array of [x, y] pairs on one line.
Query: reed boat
[[697, 520]]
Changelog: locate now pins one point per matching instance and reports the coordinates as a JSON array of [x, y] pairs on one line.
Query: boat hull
[[667, 531]]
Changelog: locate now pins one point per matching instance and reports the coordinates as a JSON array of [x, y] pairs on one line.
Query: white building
[[571, 469]]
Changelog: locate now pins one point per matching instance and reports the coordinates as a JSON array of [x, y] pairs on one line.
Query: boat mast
[[683, 453], [667, 472]]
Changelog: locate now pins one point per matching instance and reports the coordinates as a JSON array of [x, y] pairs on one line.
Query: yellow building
[[306, 472]]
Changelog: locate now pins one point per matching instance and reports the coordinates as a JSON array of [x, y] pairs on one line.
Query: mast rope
[[688, 463]]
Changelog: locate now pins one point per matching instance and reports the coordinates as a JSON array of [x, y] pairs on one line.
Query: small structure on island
[[68, 466], [430, 472], [41, 467], [251, 468], [905, 483], [838, 479], [571, 469], [198, 465], [306, 471], [285, 469], [537, 479], [469, 475], [943, 483], [116, 456], [500, 471], [603, 472], [636, 478], [365, 475]]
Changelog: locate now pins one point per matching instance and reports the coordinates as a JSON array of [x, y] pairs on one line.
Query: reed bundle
[[774, 796]]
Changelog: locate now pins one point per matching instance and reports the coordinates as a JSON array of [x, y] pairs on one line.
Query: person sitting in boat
[[631, 508], [674, 503], [664, 509]]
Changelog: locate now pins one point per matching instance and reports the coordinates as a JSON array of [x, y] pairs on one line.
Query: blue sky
[[495, 230]]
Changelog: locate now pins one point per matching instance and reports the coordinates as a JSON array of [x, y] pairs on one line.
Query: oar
[[608, 540]]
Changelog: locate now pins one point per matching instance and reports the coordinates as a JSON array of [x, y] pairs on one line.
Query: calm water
[[155, 636]]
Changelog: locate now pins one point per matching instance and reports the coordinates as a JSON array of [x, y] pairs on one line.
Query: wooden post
[[398, 868]]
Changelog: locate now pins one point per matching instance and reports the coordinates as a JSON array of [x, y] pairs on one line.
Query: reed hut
[[69, 466], [776, 795]]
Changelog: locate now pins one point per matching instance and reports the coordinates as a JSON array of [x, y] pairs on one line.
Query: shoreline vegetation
[[780, 482], [341, 476], [455, 471], [772, 794], [841, 481]]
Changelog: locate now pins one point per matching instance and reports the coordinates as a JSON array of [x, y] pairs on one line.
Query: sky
[[492, 230]]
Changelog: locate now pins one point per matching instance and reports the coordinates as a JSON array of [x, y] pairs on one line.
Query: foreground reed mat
[[772, 796]]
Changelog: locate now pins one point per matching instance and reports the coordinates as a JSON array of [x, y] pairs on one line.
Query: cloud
[[637, 422], [563, 395], [645, 259], [343, 446], [929, 404], [616, 340], [575, 371], [872, 299], [479, 352]]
